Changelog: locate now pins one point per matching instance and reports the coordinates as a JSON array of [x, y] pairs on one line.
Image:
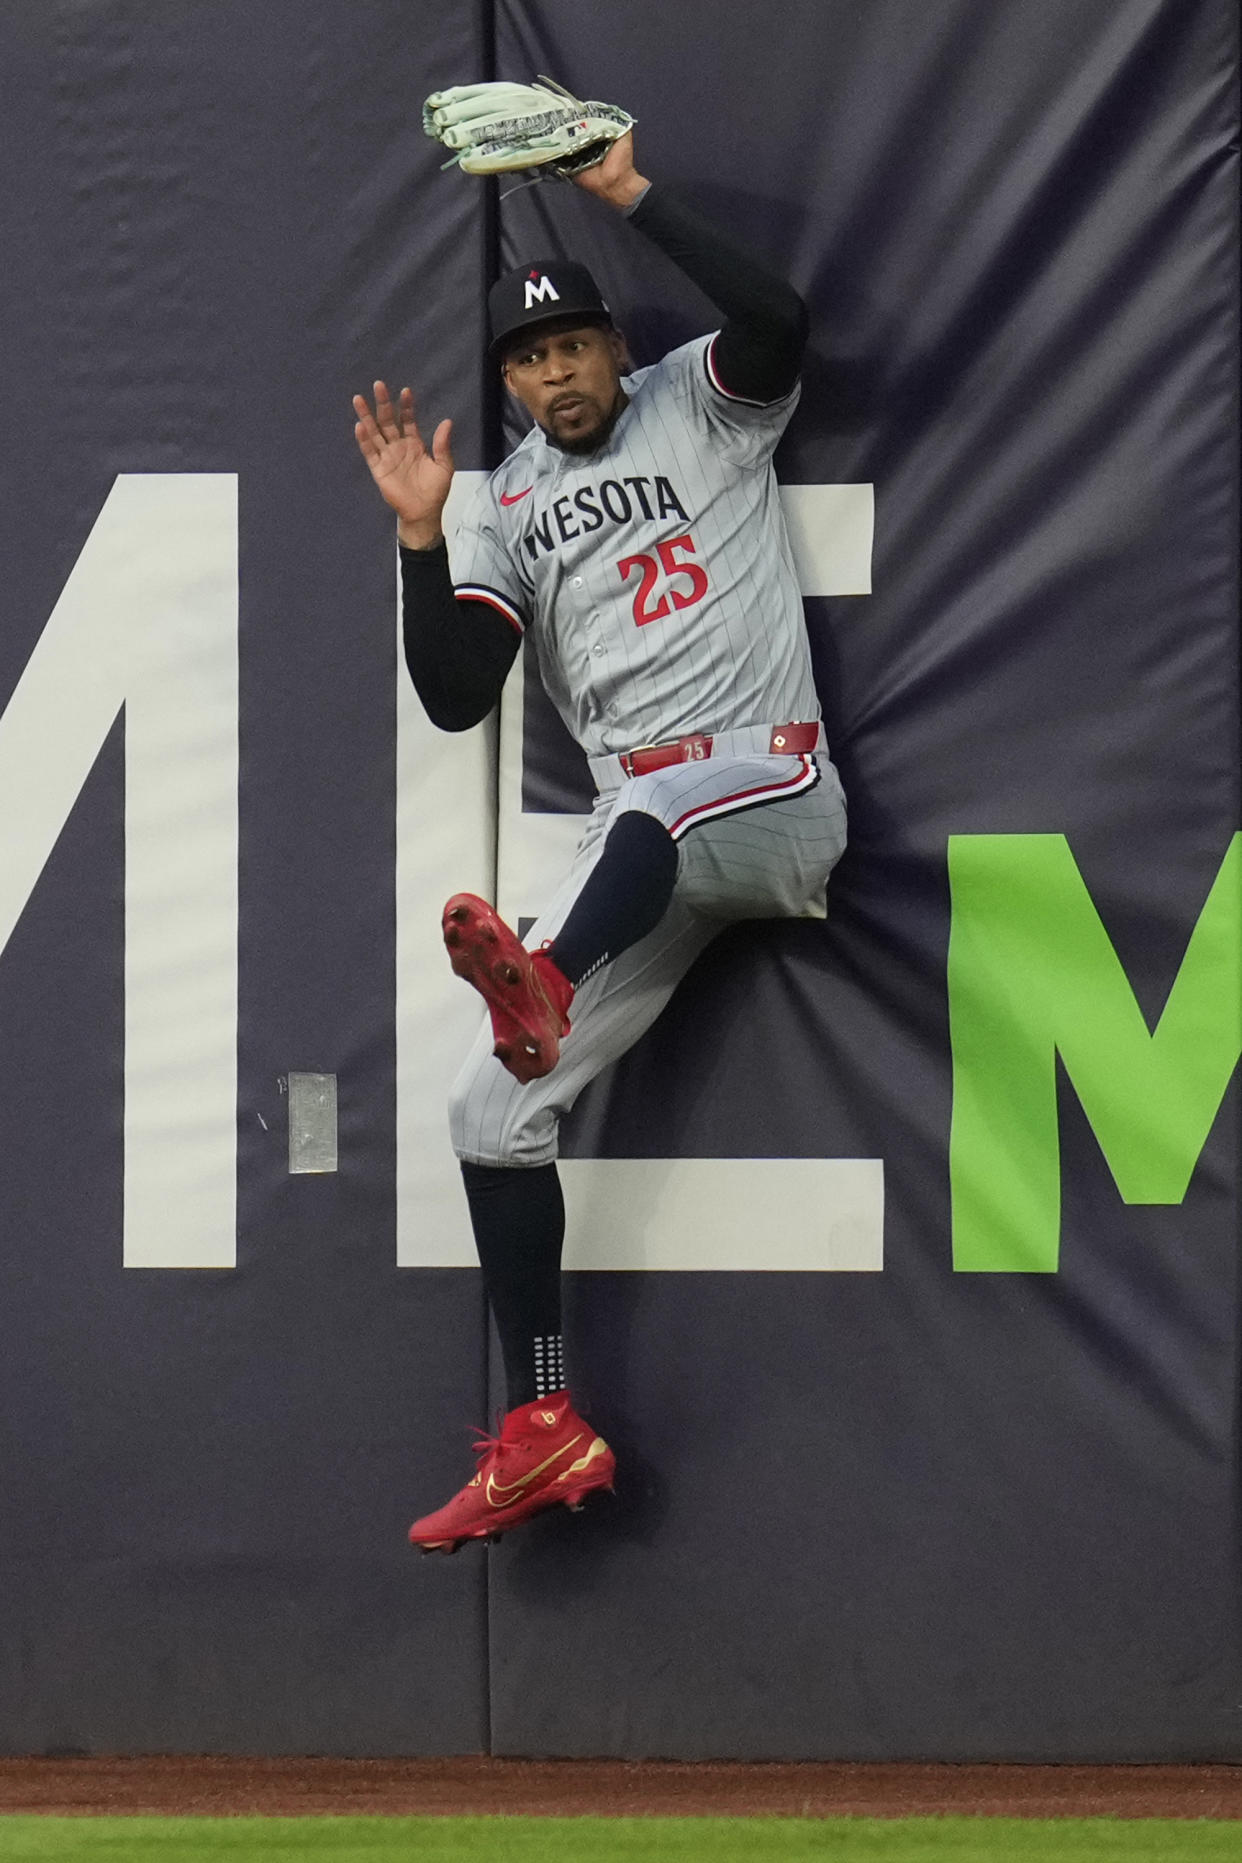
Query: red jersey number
[[649, 574]]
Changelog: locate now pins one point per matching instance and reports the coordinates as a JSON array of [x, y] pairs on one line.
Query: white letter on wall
[[148, 620], [625, 1213], [446, 843]]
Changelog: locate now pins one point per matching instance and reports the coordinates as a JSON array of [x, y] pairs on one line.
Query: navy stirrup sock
[[625, 896], [518, 1216]]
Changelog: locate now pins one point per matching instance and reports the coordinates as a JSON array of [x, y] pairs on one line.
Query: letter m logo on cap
[[541, 292]]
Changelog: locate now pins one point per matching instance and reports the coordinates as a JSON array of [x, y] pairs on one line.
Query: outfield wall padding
[[973, 1497]]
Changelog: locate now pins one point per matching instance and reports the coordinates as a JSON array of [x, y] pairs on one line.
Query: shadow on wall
[[571, 1554]]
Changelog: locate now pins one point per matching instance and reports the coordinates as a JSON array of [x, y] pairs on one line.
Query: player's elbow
[[460, 721], [457, 713], [456, 686], [794, 323]]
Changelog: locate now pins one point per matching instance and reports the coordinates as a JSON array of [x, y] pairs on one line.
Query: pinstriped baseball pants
[[756, 838]]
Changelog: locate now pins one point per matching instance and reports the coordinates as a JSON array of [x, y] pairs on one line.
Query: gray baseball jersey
[[654, 578], [655, 582]]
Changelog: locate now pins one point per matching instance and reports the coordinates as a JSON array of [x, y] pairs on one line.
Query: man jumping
[[636, 537]]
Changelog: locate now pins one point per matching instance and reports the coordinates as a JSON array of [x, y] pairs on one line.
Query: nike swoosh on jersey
[[511, 1491], [512, 498]]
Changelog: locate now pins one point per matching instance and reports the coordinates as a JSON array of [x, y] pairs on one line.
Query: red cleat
[[545, 1456], [524, 991]]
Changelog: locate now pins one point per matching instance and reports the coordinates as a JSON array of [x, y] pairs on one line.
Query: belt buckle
[[626, 758], [695, 747]]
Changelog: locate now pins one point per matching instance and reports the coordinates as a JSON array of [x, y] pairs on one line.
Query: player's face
[[570, 382]]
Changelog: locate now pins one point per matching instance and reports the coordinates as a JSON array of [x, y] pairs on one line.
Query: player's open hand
[[412, 479], [615, 179]]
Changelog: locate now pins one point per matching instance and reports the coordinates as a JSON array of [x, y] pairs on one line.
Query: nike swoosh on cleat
[[513, 498], [511, 1491]]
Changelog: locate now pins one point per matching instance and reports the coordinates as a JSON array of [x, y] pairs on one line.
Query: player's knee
[[646, 835], [470, 1133], [487, 1121]]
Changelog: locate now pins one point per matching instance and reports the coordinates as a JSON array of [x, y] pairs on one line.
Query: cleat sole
[[484, 953], [577, 1497]]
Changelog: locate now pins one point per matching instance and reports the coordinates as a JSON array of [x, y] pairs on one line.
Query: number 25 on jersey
[[674, 593]]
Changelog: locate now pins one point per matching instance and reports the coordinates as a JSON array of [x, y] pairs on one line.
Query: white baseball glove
[[499, 128]]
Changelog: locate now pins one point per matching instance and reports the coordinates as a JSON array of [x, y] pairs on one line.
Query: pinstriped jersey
[[654, 577]]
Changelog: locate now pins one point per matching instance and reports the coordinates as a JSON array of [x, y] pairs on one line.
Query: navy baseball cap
[[538, 292]]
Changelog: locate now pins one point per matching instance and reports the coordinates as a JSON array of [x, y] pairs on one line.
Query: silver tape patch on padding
[[312, 1122]]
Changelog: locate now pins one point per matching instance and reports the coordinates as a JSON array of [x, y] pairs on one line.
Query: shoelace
[[491, 1445]]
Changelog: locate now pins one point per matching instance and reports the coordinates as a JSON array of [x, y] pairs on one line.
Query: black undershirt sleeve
[[458, 652], [759, 350]]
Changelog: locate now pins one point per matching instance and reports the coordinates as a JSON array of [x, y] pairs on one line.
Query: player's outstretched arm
[[411, 478], [458, 653], [615, 179], [758, 352]]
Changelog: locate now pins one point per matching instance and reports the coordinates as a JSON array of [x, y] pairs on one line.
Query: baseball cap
[[537, 292]]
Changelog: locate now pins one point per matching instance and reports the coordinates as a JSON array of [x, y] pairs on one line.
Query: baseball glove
[[498, 128]]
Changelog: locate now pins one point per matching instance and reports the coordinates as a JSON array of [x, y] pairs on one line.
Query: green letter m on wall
[[1033, 974]]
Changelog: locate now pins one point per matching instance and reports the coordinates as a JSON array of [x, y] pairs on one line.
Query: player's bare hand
[[411, 477], [615, 179]]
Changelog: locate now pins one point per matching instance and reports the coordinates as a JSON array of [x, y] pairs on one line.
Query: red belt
[[787, 740]]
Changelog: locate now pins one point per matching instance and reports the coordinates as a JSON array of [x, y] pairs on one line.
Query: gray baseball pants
[[757, 837]]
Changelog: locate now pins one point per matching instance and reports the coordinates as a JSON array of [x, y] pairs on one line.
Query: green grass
[[616, 1840]]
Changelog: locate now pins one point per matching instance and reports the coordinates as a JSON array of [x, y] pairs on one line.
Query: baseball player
[[635, 539]]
